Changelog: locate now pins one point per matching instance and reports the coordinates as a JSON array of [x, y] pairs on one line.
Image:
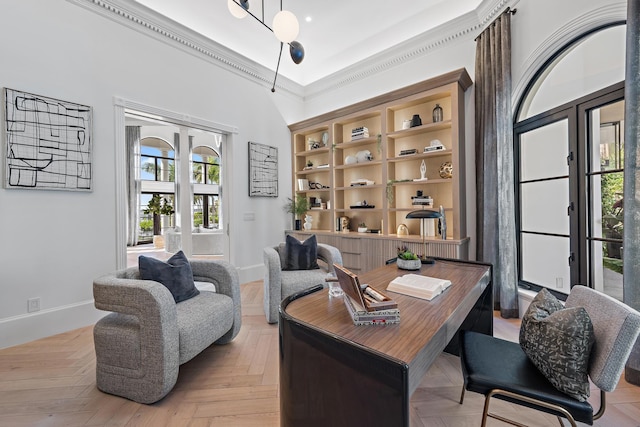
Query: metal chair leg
[[462, 395]]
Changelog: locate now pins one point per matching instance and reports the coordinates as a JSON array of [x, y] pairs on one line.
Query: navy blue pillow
[[301, 255], [175, 274]]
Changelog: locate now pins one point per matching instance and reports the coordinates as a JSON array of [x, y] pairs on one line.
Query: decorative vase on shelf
[[307, 222], [416, 121], [437, 114]]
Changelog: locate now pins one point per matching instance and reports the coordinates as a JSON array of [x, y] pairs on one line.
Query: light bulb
[[236, 10], [285, 26]]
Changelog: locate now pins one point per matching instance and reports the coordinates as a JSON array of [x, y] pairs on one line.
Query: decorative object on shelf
[[435, 145], [303, 184], [344, 224], [325, 139], [407, 260], [313, 144], [362, 205], [362, 227], [297, 206], [402, 230], [350, 160], [406, 124], [316, 185], [416, 121], [359, 133], [285, 27], [379, 143], [423, 172], [408, 152], [364, 156], [437, 114], [309, 164], [446, 170], [419, 199], [424, 215], [263, 170], [308, 219], [361, 182]]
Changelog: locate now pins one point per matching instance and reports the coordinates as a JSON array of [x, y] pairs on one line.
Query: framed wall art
[[263, 170], [47, 143]]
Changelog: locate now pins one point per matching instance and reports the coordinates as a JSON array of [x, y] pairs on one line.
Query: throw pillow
[[558, 341], [175, 274], [301, 255]]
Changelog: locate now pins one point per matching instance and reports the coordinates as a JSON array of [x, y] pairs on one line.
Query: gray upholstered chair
[[501, 369], [140, 346], [279, 283]]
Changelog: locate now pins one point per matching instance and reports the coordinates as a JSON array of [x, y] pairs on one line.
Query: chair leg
[[485, 411], [462, 395], [560, 421]]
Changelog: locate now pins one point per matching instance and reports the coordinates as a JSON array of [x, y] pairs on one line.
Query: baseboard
[[251, 273], [28, 327]]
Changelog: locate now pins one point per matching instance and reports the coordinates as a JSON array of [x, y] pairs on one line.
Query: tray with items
[[364, 295]]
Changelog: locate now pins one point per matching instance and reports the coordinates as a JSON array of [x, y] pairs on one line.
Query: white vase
[[307, 222]]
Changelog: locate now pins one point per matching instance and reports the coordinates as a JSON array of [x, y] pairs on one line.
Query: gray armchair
[[140, 346], [279, 283]]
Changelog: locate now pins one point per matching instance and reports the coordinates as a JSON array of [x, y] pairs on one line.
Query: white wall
[[54, 243]]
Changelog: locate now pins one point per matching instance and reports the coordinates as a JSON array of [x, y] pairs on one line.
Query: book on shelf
[[361, 316], [419, 286]]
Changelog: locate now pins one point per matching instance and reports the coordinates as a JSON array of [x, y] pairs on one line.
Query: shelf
[[359, 165], [374, 210], [314, 170], [360, 187], [356, 143], [429, 181], [429, 127], [313, 152], [439, 153], [314, 190]]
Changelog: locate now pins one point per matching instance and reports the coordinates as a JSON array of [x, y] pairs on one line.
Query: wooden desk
[[333, 373]]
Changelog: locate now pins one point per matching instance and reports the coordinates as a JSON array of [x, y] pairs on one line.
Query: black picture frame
[[263, 170]]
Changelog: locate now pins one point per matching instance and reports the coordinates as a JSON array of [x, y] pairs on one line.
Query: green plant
[[309, 163], [298, 206], [158, 206], [405, 253], [362, 225], [146, 225]]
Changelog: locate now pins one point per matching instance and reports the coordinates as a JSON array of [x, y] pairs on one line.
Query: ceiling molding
[[147, 21], [573, 29]]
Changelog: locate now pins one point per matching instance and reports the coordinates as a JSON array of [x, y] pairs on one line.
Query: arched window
[[568, 148]]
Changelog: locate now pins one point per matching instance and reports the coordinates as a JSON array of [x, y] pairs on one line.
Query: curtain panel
[[496, 232], [132, 138]]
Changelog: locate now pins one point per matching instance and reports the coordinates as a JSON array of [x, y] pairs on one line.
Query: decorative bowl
[[409, 264]]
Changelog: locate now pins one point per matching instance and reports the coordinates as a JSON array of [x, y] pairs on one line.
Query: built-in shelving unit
[[340, 162]]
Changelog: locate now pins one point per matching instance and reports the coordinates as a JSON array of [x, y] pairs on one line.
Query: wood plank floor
[[51, 382]]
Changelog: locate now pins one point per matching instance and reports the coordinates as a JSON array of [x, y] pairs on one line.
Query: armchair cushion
[[175, 274], [558, 341], [301, 255]]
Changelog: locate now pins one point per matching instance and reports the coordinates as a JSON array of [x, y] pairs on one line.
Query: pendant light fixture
[[285, 26]]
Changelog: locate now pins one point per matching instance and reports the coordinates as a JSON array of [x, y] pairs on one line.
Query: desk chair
[[500, 369]]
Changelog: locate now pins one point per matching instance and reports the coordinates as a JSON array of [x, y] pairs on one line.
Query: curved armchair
[[141, 344], [279, 283]]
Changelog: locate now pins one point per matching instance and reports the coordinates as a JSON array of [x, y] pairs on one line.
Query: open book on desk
[[419, 286]]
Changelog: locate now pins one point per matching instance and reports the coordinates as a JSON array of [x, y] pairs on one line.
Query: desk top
[[425, 327]]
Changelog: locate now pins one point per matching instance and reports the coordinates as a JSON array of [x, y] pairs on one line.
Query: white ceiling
[[340, 33]]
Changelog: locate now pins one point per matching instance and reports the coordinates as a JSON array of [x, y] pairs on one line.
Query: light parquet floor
[[51, 382]]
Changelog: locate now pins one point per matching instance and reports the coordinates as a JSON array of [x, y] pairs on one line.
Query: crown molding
[[580, 25], [149, 22]]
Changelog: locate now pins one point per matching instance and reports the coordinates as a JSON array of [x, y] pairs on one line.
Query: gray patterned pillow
[[558, 341]]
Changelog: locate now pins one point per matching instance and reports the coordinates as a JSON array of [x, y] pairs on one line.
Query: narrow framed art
[[47, 143], [263, 170]]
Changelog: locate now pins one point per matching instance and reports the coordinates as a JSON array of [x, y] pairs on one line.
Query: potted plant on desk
[[407, 260]]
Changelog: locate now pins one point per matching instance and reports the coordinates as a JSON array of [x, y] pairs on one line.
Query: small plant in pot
[[407, 260], [362, 227], [297, 207]]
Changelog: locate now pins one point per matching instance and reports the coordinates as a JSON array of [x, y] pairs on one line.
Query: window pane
[[607, 271], [544, 151], [147, 168], [545, 261], [544, 206]]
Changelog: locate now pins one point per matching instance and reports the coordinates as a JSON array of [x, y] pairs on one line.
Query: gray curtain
[[132, 137], [631, 268], [496, 233]]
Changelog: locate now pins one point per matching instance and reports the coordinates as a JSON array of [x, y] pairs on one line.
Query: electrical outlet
[[33, 304], [559, 282]]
